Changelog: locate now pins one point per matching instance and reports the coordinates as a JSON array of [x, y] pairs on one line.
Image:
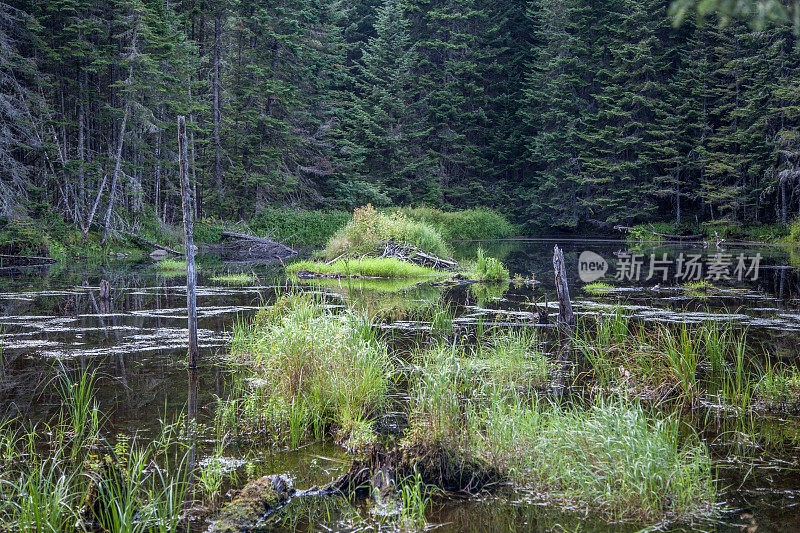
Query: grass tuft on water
[[304, 371], [375, 267], [171, 265], [598, 288], [486, 268], [237, 278], [612, 457]]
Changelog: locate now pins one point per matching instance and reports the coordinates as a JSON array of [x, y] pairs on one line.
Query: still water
[[53, 318]]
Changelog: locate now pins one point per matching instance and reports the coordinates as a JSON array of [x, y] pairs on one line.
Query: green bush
[[299, 226], [369, 229], [466, 224]]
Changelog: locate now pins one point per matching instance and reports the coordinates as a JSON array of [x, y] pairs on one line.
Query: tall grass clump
[[511, 359], [308, 372], [666, 360], [486, 268], [48, 485], [369, 229], [779, 388], [465, 224], [611, 457]]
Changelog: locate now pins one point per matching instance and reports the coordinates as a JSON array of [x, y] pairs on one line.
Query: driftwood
[[243, 247], [151, 243], [698, 237], [412, 254]]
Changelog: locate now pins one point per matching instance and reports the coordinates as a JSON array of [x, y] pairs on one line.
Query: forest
[[566, 115], [399, 265]]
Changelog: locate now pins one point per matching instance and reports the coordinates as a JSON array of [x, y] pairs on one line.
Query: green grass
[[486, 268], [779, 388], [368, 230], [235, 278], [612, 457], [598, 288], [682, 362], [466, 224], [64, 475], [171, 265], [304, 371], [299, 226], [512, 358], [377, 267]]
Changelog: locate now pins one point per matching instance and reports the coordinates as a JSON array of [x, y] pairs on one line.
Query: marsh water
[[53, 319]]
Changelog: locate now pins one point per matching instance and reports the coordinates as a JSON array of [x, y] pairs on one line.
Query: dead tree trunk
[[191, 297], [566, 318], [113, 191]]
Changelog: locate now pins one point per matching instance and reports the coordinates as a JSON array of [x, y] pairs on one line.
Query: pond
[[53, 318]]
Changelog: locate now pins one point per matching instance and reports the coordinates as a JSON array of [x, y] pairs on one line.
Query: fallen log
[[27, 259], [412, 254], [255, 247], [151, 243]]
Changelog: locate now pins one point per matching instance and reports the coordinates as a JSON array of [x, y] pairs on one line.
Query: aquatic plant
[[379, 267], [309, 371], [171, 266], [575, 455], [237, 278], [486, 268], [511, 358], [779, 388], [598, 288], [414, 499]]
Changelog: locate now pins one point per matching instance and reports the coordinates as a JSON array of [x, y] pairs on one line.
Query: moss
[[257, 499]]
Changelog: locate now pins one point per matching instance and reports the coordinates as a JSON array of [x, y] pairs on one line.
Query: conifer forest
[[561, 113], [399, 265]]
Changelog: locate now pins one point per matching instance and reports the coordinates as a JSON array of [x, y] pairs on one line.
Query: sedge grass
[[307, 371], [612, 458], [486, 268], [171, 266]]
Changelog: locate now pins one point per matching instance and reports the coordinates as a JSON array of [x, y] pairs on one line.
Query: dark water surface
[[53, 318]]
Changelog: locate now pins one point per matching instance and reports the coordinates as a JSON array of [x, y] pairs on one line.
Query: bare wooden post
[[186, 200], [565, 315]]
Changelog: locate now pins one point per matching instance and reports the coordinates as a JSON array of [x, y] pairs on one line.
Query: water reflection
[[137, 341]]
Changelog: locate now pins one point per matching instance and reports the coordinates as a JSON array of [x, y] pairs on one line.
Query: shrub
[[369, 229], [299, 226], [465, 224]]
